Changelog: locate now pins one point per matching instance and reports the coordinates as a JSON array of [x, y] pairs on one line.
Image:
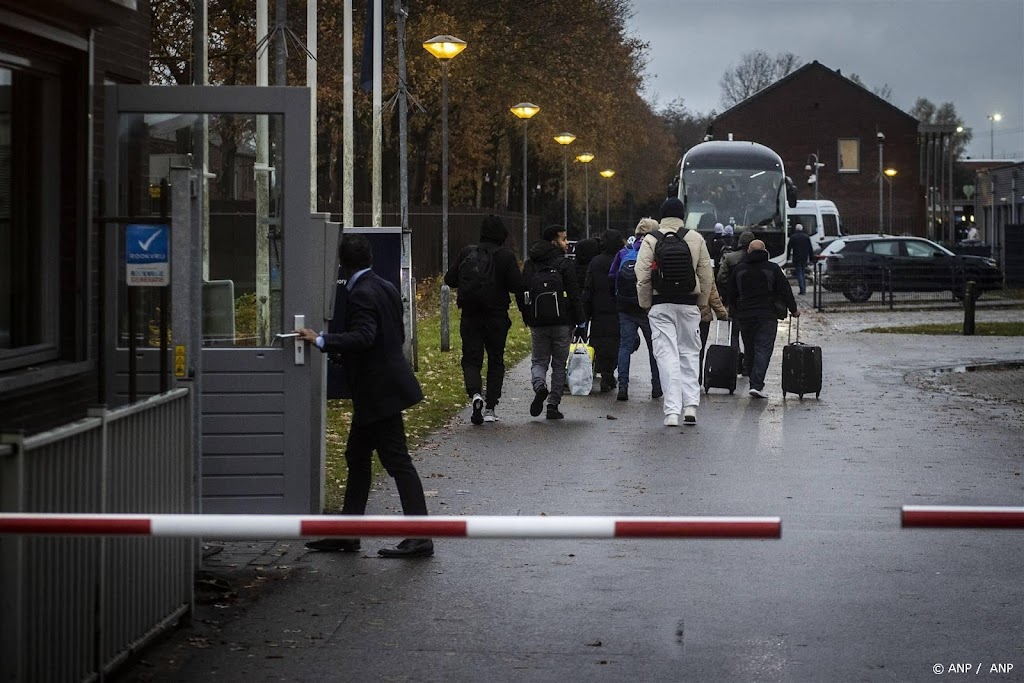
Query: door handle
[[300, 345]]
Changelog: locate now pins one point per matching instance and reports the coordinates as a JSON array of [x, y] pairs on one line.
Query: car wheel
[[857, 291]]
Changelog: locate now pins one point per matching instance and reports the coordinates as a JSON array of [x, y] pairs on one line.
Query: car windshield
[[744, 198]]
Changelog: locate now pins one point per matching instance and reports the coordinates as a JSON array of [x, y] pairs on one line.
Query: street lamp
[[525, 111], [890, 173], [565, 139], [585, 159], [813, 167], [607, 173], [444, 47], [992, 134], [881, 143]]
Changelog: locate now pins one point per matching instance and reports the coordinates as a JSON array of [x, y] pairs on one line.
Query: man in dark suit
[[382, 386]]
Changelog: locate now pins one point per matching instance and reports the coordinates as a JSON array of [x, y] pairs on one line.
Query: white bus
[[739, 183]]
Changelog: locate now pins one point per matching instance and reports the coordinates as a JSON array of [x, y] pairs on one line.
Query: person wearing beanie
[[485, 274], [632, 319], [754, 285], [599, 308], [716, 244], [674, 315], [728, 262]]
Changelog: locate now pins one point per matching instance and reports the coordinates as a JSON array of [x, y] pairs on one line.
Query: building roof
[[803, 71]]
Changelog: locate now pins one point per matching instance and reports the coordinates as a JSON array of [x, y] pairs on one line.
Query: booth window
[[30, 208], [849, 155]]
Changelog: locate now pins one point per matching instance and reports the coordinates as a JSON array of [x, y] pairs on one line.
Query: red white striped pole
[[963, 516], [266, 527]]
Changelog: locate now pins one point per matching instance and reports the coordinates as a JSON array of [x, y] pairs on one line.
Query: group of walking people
[[661, 283]]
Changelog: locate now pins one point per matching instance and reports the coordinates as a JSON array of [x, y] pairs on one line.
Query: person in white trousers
[[675, 318]]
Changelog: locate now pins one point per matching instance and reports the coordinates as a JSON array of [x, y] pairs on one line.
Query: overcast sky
[[969, 52]]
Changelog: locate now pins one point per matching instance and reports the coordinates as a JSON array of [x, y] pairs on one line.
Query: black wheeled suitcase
[[721, 361], [801, 366]]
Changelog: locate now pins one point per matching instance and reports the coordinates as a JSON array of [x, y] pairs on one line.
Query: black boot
[[623, 393]]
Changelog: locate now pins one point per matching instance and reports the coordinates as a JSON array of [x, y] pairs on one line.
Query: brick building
[[50, 161], [818, 111]]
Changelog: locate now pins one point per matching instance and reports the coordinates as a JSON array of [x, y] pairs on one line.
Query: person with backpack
[[754, 284], [599, 308], [485, 274], [551, 309], [673, 280], [632, 318]]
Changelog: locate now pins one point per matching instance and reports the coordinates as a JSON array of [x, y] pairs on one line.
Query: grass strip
[[440, 375], [986, 329]]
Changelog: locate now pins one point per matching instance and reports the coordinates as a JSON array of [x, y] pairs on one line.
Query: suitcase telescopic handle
[[718, 327], [789, 335]]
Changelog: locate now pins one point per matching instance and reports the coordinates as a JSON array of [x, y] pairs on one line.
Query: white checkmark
[[145, 245]]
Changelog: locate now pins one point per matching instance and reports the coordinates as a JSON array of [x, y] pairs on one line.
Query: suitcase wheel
[[801, 396], [732, 391], [818, 395]]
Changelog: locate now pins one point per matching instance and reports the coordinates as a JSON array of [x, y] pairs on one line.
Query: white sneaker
[[757, 393], [690, 415], [672, 420], [489, 415]]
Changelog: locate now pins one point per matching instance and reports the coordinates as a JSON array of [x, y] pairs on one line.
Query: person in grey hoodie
[[551, 308], [675, 318]]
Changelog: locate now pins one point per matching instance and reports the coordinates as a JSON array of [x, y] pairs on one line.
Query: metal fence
[[72, 609], [861, 288]]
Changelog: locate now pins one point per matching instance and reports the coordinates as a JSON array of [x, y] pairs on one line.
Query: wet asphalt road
[[844, 595]]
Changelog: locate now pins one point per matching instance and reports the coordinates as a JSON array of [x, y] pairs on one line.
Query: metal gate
[[237, 279]]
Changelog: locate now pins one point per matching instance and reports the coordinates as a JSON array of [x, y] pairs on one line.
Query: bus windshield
[[745, 198]]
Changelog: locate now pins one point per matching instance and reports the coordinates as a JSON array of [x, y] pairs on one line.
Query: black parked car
[[861, 264]]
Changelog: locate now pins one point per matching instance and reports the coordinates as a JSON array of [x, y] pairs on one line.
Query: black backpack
[[625, 281], [547, 295], [476, 279], [673, 271]]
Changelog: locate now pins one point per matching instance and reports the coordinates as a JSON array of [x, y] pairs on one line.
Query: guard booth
[[243, 267]]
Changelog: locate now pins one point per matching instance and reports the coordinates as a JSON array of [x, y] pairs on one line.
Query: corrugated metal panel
[[79, 604]]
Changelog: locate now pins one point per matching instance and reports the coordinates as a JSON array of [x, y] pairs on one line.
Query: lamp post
[[444, 47], [992, 134], [607, 173], [525, 111], [881, 143], [565, 139], [813, 167], [585, 159], [890, 173]]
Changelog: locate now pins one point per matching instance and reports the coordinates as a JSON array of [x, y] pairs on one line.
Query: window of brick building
[[31, 118], [849, 155]]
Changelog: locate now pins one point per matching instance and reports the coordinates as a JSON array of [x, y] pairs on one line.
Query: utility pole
[[408, 284]]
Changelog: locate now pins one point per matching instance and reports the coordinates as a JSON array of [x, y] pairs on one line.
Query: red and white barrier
[[267, 527], [963, 516]]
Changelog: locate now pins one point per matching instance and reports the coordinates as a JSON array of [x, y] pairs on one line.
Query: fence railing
[[72, 609], [838, 286]]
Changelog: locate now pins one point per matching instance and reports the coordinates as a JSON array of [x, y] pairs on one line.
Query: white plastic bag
[[581, 371]]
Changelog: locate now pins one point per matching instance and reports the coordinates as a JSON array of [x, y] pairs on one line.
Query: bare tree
[[925, 111], [756, 71]]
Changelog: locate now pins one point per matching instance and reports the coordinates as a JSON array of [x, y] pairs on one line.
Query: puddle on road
[[1010, 365]]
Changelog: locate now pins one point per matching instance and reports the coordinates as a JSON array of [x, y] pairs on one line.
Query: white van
[[820, 219]]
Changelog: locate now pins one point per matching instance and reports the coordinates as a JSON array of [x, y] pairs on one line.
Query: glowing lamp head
[[444, 47], [525, 110]]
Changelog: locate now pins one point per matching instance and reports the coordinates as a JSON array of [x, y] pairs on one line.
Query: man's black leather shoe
[[410, 547], [335, 545]]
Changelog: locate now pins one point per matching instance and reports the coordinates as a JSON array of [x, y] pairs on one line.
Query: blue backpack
[[625, 280]]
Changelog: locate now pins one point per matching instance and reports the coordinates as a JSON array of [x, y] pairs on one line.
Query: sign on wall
[[147, 255]]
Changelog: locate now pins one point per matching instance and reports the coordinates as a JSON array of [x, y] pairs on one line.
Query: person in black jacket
[[485, 322], [382, 385], [599, 308], [551, 308], [799, 252], [753, 284]]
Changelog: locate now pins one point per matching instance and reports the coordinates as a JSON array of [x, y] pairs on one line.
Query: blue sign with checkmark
[[147, 255]]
